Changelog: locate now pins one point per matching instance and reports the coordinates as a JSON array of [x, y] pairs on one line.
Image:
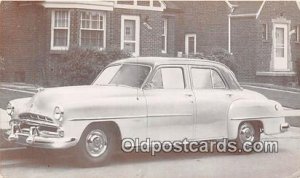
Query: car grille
[[35, 117], [25, 128]]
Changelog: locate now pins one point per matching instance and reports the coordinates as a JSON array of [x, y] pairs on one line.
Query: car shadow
[[62, 158]]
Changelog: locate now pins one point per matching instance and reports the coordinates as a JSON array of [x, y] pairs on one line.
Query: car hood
[[47, 99]]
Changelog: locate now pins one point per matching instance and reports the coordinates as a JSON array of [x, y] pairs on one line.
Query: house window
[[265, 32], [92, 30], [60, 30], [298, 33], [190, 44], [164, 38]]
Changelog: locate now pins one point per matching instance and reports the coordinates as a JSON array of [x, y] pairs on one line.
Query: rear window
[[204, 78]]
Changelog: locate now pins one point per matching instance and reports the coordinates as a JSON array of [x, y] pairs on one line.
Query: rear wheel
[[248, 133], [95, 147]]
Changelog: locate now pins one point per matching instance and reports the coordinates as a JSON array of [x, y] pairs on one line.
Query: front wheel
[[95, 146], [247, 133]]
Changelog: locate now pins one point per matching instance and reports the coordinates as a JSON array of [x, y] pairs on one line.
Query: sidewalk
[[293, 132]]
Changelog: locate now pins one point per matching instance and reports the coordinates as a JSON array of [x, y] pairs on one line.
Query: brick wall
[[253, 52], [244, 38], [19, 29], [150, 39], [208, 20], [273, 10], [26, 38]]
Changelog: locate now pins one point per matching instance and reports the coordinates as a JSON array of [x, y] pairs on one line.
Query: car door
[[213, 99], [170, 104]]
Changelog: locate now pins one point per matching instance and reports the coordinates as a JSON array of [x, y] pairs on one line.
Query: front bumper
[[40, 142], [34, 136]]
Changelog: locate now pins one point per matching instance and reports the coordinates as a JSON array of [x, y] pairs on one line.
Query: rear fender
[[266, 113]]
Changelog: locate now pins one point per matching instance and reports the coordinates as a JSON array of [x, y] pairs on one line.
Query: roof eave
[[242, 15]]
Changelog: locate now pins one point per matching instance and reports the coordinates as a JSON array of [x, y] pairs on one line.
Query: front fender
[[267, 112], [20, 105]]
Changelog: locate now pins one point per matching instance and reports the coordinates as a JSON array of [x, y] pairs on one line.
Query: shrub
[[298, 70], [81, 66], [2, 67], [220, 55]]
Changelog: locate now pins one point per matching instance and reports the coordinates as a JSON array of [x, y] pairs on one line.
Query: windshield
[[127, 74]]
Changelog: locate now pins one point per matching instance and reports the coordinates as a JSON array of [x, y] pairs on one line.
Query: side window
[[201, 78], [217, 80], [206, 79], [168, 78]]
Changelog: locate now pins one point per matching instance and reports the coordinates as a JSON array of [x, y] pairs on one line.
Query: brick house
[[33, 33], [263, 36]]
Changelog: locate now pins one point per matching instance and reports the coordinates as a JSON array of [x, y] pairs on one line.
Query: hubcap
[[96, 143], [247, 133]]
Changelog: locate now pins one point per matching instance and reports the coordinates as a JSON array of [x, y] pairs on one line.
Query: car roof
[[155, 61]]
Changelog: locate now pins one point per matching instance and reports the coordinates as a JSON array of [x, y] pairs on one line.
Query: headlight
[[58, 113], [10, 109]]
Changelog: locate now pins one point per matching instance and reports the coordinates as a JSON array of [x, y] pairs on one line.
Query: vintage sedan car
[[164, 99]]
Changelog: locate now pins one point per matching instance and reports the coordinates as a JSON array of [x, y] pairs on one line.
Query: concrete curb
[[272, 86]]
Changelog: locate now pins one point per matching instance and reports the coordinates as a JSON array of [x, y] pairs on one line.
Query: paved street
[[290, 99], [286, 163]]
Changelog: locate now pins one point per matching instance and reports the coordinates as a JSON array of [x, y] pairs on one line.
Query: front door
[[280, 44], [170, 105], [130, 34]]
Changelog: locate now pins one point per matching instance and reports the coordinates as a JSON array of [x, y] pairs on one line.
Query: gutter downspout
[[229, 33], [229, 27]]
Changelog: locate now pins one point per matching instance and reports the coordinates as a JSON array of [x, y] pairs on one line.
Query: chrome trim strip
[[38, 123], [105, 118], [256, 117], [130, 117], [170, 115]]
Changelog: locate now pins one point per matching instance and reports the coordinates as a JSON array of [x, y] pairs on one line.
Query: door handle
[[188, 95], [229, 94]]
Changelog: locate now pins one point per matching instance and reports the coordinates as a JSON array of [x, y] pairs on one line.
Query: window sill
[[277, 74], [53, 51]]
